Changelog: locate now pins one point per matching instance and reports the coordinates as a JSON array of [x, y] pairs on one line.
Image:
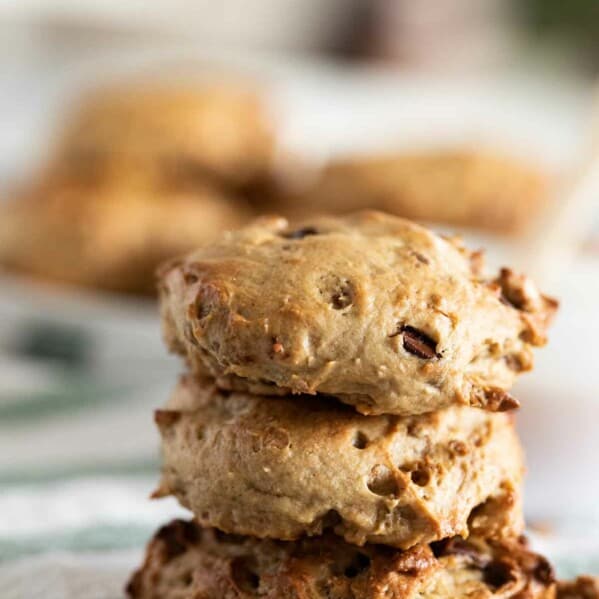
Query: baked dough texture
[[370, 308], [282, 468], [220, 129], [184, 561], [479, 189], [111, 236]]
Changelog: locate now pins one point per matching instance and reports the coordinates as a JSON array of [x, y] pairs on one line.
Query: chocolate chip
[[300, 233], [360, 440], [418, 343], [498, 573], [420, 477]]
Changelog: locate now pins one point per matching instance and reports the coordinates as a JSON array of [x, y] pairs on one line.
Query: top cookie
[[370, 308]]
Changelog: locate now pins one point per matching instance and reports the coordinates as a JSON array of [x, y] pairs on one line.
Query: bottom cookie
[[185, 561]]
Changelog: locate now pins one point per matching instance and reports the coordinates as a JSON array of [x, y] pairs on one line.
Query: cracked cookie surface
[[282, 468], [370, 308]]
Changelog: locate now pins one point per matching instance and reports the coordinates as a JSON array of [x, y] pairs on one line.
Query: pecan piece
[[418, 343]]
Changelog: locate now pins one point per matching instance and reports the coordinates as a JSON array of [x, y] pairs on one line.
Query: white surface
[[69, 576], [111, 433], [560, 399], [39, 510]]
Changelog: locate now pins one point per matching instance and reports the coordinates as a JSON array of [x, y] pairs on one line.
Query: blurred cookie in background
[[110, 236], [477, 189], [184, 131], [141, 172]]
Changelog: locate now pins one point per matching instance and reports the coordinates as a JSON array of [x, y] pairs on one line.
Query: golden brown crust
[[218, 130], [475, 189], [370, 308], [110, 236], [184, 561], [282, 468], [584, 587]]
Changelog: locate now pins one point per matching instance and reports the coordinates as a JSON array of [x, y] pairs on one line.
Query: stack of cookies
[[344, 429]]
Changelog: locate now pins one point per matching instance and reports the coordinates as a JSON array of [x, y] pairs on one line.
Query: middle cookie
[[279, 468]]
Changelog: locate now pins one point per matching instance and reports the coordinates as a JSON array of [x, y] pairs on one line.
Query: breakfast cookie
[[372, 309], [467, 188], [184, 561], [282, 468], [110, 237], [219, 130]]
